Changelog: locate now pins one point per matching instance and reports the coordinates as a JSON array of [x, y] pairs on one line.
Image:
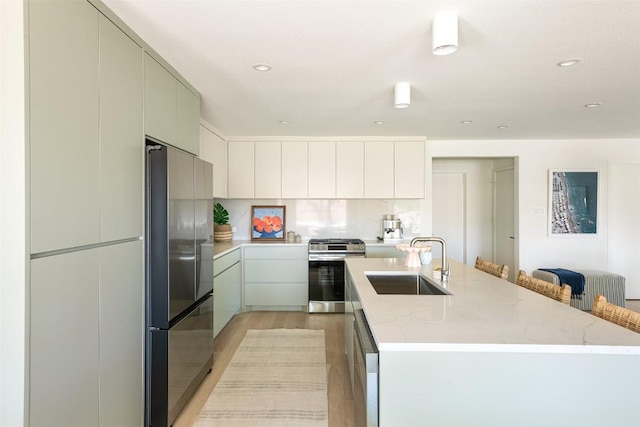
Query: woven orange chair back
[[501, 271], [558, 293], [616, 314]]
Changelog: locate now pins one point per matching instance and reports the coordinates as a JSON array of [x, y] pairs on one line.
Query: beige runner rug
[[276, 377]]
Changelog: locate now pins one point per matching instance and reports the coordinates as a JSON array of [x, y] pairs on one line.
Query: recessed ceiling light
[[379, 122], [503, 127], [284, 122], [568, 63], [466, 122], [261, 67], [593, 105]]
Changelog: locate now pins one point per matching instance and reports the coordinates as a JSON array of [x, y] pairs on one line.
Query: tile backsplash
[[318, 218]]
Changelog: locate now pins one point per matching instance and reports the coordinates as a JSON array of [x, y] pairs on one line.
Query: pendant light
[[445, 33], [402, 94]]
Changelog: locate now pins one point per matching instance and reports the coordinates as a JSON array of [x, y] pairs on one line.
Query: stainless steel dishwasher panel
[[366, 374]]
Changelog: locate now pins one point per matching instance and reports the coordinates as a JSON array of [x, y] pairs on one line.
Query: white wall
[[534, 159], [358, 218], [13, 250], [479, 202]]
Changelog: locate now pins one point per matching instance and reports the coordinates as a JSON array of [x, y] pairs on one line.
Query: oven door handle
[[324, 257]]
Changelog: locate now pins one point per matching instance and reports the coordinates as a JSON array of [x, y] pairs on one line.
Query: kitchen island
[[493, 354]]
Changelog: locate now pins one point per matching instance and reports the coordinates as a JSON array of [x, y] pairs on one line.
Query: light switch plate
[[538, 211]]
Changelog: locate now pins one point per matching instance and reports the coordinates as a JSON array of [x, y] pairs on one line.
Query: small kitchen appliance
[[391, 229]]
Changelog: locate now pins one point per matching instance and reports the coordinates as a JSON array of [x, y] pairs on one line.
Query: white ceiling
[[335, 62]]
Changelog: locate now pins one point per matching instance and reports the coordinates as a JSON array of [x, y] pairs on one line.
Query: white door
[[624, 228], [449, 214], [504, 220]]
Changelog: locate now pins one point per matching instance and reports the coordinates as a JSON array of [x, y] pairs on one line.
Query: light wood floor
[[228, 340]]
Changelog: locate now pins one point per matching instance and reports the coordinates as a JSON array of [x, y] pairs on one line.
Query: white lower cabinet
[[86, 338], [276, 277], [227, 288]]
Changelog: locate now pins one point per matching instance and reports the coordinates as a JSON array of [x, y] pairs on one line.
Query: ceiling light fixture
[[568, 63], [379, 122], [402, 95], [445, 33], [261, 67], [593, 105]]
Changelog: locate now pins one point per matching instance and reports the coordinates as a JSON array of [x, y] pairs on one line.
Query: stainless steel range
[[326, 272]]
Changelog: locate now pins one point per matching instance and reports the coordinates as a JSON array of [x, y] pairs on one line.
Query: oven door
[[326, 286]]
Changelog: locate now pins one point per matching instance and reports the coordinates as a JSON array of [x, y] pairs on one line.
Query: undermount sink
[[404, 284]]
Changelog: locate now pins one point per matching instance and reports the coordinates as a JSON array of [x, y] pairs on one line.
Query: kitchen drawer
[[271, 271], [281, 294], [276, 252], [224, 262]]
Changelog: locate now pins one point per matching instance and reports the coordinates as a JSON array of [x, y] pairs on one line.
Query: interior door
[[504, 220], [449, 214]]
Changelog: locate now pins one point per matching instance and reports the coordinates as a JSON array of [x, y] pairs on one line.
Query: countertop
[[484, 311]]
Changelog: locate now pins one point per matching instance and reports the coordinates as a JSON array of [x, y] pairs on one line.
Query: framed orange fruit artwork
[[268, 223]]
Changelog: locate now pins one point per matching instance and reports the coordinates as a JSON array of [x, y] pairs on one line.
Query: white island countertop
[[483, 312]]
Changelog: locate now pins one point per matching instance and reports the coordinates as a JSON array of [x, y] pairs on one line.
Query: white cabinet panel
[[275, 271], [121, 334], [121, 144], [160, 102], [213, 149], [227, 296], [64, 350], [188, 119], [241, 169], [378, 170], [409, 170], [322, 169], [265, 294], [63, 85], [350, 169], [295, 170], [268, 170], [276, 276]]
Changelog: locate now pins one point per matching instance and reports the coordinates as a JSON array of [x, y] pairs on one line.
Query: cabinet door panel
[[64, 363], [276, 294], [268, 183], [350, 170], [260, 251], [121, 334], [121, 135], [63, 84], [322, 169], [160, 100], [276, 271], [187, 120], [227, 296], [378, 170], [213, 149], [241, 170], [295, 170], [409, 170]]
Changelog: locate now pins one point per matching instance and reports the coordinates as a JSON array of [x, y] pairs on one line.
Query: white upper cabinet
[[379, 169], [160, 102], [63, 108], [409, 170], [322, 169], [213, 149], [295, 170], [171, 110], [121, 152], [188, 119], [241, 169], [350, 169], [268, 170]]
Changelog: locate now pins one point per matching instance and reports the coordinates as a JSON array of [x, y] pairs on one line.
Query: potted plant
[[221, 229]]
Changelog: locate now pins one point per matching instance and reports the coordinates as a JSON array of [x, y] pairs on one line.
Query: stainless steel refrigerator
[[179, 279]]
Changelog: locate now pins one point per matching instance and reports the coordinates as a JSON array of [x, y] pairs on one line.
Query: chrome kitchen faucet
[[444, 273]]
